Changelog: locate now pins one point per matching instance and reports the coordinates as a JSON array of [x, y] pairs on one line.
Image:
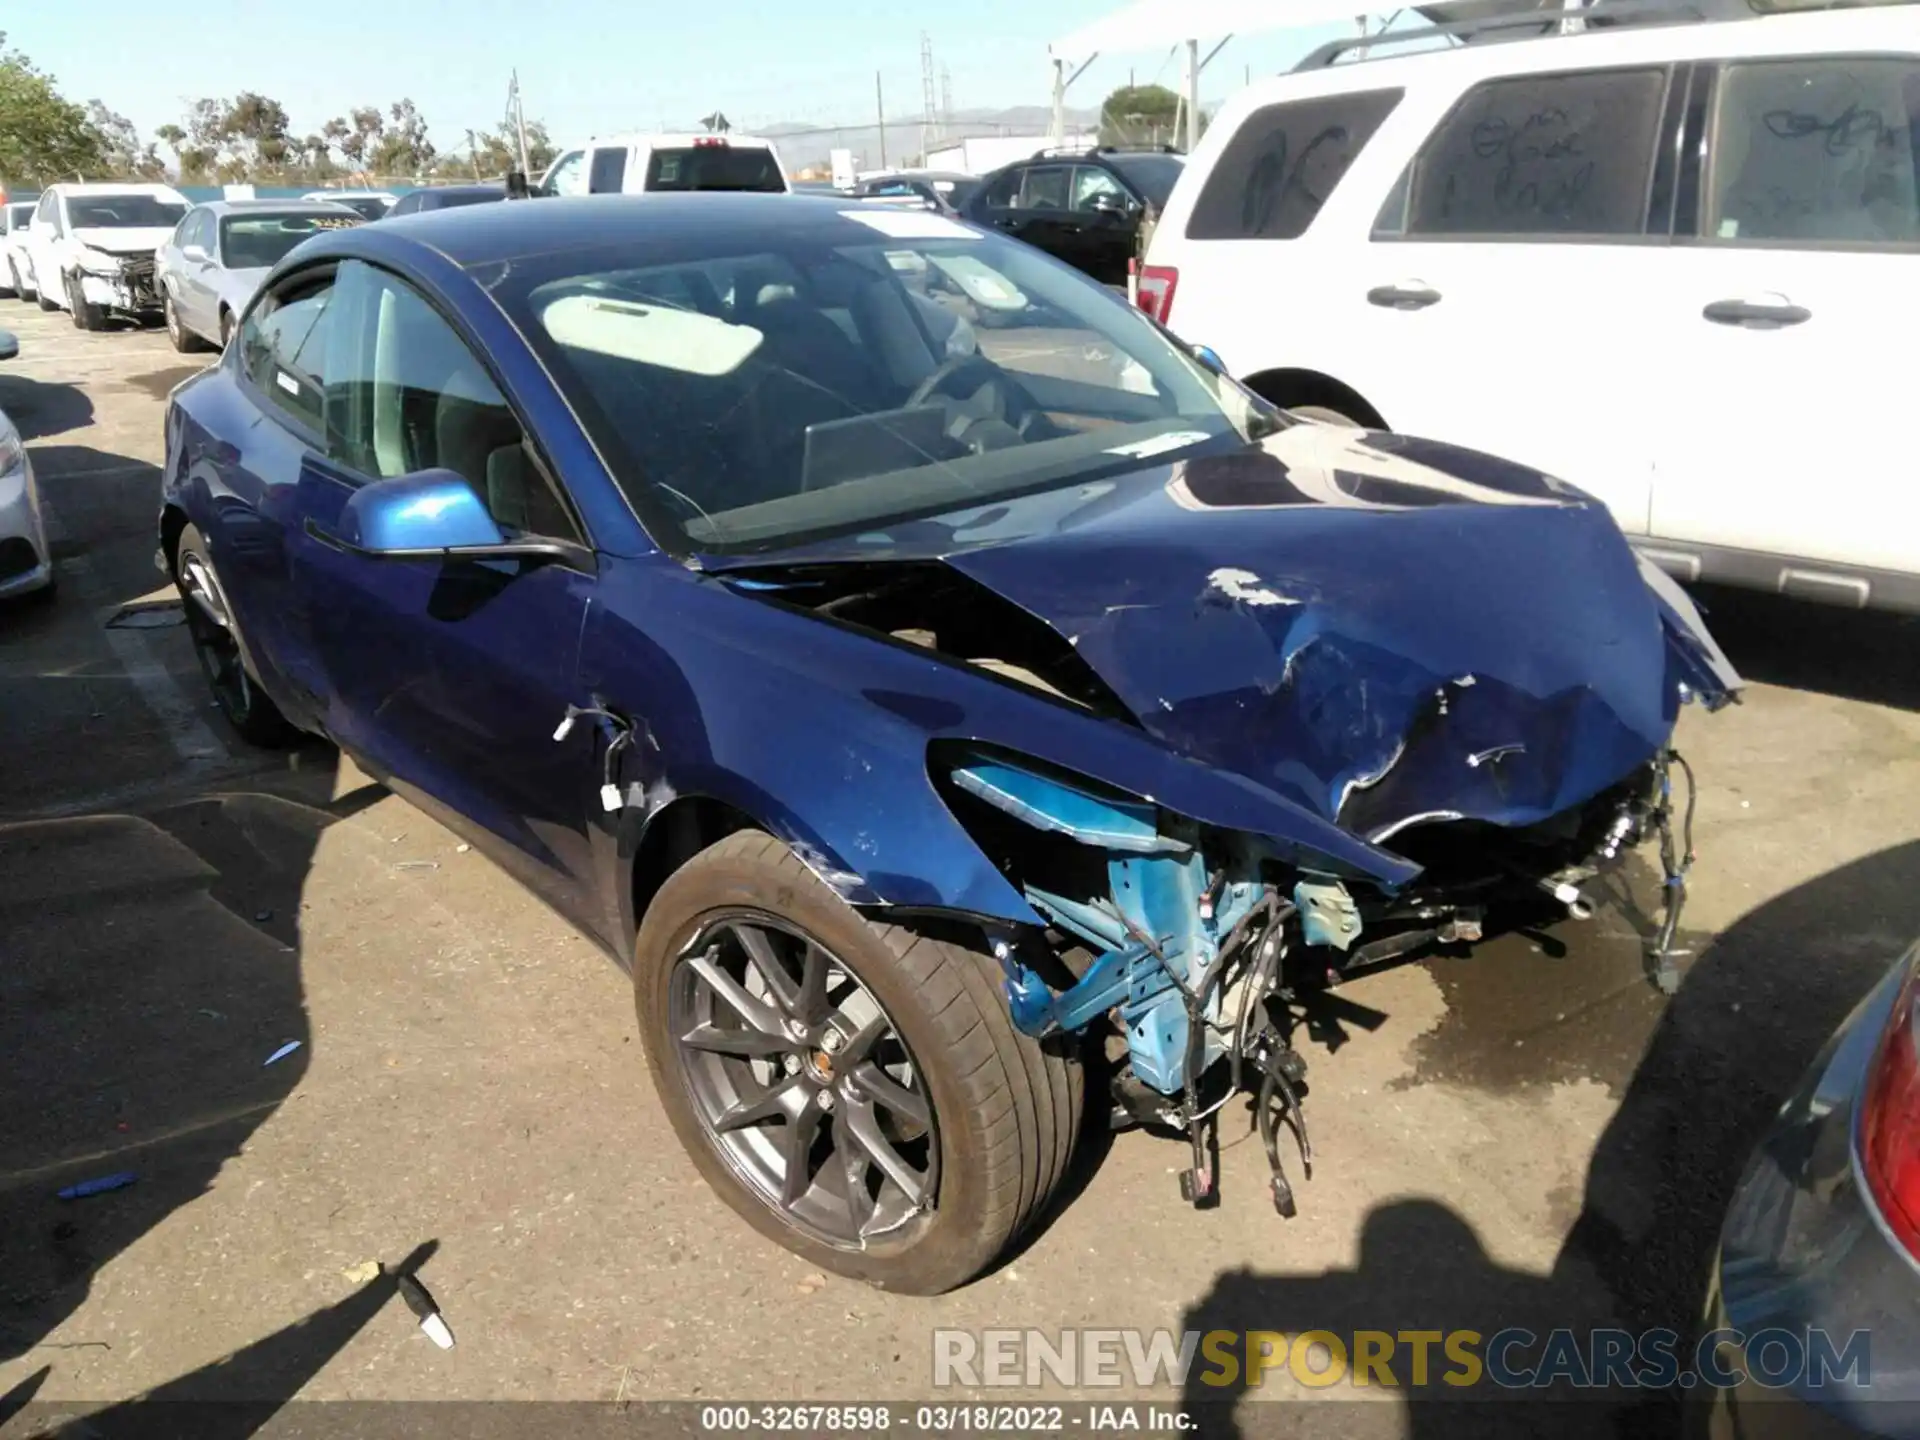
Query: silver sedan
[[221, 251], [25, 562]]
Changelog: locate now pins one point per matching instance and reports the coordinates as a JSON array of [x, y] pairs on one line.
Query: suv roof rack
[[1534, 24], [1047, 151]]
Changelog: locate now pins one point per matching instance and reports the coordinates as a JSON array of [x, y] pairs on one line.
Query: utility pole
[[473, 155], [880, 110], [519, 122]]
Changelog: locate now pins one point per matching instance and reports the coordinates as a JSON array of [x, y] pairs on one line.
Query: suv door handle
[[1756, 315], [1407, 295]]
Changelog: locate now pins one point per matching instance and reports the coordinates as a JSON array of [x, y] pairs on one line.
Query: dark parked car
[[946, 191], [900, 712], [1821, 1245], [1083, 207], [445, 197]]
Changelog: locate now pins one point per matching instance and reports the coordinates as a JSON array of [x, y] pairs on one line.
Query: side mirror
[[427, 511], [1107, 202], [517, 188], [193, 252], [433, 515], [1209, 358]]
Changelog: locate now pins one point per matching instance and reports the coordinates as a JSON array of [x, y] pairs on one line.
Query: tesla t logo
[[1494, 755]]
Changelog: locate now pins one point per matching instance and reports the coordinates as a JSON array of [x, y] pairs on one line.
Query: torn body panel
[[1336, 691]]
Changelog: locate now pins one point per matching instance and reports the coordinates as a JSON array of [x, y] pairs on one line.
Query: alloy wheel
[[211, 629], [801, 1081]]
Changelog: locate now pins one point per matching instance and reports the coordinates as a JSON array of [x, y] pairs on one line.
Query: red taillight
[[710, 142], [1890, 1121], [1153, 291]]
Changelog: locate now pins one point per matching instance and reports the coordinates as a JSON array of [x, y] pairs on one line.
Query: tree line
[[245, 138]]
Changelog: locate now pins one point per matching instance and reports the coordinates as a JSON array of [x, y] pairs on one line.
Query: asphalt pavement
[[1529, 1135]]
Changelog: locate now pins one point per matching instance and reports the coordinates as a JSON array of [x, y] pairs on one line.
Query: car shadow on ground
[[39, 408], [150, 975], [1803, 646], [1750, 1015]]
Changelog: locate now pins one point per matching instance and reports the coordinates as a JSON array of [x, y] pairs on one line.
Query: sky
[[592, 66]]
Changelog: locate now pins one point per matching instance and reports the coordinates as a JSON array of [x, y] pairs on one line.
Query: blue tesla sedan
[[917, 667]]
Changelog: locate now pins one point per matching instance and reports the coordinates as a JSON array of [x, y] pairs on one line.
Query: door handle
[[1408, 295], [1756, 315]]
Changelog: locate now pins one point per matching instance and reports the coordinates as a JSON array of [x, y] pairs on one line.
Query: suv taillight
[[1153, 291], [1890, 1118], [710, 142]]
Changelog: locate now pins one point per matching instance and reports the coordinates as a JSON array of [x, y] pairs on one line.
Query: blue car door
[[448, 678]]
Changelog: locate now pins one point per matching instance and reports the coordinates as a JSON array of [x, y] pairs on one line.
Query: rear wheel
[[47, 302], [216, 642], [856, 1091]]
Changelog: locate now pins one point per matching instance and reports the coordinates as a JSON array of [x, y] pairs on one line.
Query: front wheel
[[855, 1090], [184, 340], [214, 630], [86, 315]]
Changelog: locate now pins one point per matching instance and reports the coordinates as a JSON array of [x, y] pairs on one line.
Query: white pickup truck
[[630, 164]]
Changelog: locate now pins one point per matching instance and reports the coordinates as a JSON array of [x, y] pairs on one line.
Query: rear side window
[[1003, 191], [1816, 151], [715, 167], [1282, 164], [1045, 187], [609, 172], [1568, 154]]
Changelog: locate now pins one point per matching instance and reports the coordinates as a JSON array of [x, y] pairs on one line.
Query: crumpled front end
[[127, 288], [1455, 666]]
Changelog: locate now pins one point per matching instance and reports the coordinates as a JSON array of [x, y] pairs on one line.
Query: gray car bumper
[[24, 561], [1804, 1251]]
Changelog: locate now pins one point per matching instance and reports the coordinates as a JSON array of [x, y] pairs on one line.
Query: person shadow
[[1751, 1013]]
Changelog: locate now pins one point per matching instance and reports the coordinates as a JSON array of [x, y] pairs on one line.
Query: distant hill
[[802, 145]]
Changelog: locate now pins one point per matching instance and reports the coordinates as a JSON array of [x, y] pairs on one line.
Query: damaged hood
[[126, 241], [1386, 630]]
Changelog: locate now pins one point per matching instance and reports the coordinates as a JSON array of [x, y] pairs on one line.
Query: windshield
[[854, 374], [1152, 175], [715, 167], [254, 242], [369, 207], [123, 212]]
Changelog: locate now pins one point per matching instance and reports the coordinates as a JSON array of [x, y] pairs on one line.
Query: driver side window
[[405, 393], [1091, 184], [568, 176]]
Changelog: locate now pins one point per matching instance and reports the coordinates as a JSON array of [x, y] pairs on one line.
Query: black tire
[[47, 302], [226, 328], [20, 287], [86, 315], [238, 696], [1325, 415], [1005, 1113], [184, 340]]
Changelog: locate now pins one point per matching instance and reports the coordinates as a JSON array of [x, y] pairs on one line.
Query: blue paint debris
[[281, 1054], [100, 1186]]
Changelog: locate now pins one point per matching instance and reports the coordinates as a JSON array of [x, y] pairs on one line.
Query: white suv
[[629, 164], [1675, 264]]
